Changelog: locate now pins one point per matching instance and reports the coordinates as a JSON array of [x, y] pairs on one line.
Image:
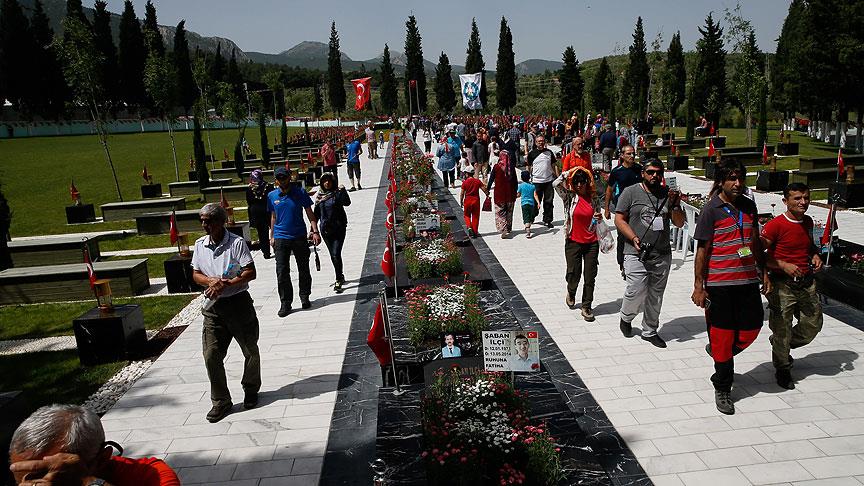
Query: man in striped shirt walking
[[729, 267]]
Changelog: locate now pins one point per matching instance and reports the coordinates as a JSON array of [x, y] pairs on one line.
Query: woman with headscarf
[[448, 154], [503, 178], [259, 217], [329, 208], [328, 155], [581, 248]]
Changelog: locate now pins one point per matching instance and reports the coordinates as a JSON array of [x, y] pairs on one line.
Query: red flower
[[535, 366]]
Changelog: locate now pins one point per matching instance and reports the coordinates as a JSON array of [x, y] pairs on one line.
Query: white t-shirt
[[541, 168], [225, 259], [370, 135]]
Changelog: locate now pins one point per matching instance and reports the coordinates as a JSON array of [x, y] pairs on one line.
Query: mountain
[[307, 54], [537, 66]]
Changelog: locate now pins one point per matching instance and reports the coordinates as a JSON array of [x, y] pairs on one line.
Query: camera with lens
[[644, 250]]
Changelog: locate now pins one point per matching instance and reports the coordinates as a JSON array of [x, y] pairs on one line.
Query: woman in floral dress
[[503, 178]]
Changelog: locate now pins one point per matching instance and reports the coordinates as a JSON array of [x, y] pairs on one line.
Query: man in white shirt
[[544, 169], [223, 265], [371, 144]]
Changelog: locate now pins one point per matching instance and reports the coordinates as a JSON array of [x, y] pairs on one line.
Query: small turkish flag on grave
[[73, 191], [830, 226], [174, 234], [388, 267], [764, 153], [376, 340], [91, 274], [841, 167], [711, 148]]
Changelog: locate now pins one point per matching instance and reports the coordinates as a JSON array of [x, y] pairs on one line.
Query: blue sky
[[540, 29]]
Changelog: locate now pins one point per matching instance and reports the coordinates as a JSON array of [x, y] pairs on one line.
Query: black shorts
[[529, 212], [735, 307], [353, 171]]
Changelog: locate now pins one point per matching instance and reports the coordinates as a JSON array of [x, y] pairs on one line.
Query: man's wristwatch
[[96, 482]]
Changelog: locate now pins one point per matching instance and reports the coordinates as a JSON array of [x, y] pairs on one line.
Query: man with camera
[[792, 259], [642, 216]]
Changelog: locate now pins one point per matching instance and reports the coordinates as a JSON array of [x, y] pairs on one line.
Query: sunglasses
[[652, 172], [629, 153], [281, 178]]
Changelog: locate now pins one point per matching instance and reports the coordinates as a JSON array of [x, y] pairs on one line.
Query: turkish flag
[[73, 191], [388, 266], [376, 340], [389, 222], [145, 174], [173, 229], [841, 167], [91, 274], [388, 201], [764, 153], [363, 90], [711, 150], [830, 226], [225, 153]]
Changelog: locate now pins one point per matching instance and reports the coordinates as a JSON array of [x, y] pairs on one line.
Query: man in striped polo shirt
[[728, 264]]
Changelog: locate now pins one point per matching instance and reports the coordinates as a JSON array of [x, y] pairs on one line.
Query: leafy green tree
[[572, 85], [637, 73], [183, 68], [709, 89], [198, 147], [317, 101], [217, 67], [335, 78], [674, 76], [160, 82], [82, 70], [17, 46], [105, 43], [747, 80], [601, 97], [75, 10], [233, 76], [414, 69], [261, 114], [389, 95], [204, 85], [49, 92], [445, 94], [132, 57], [151, 25], [505, 69], [234, 110], [474, 61], [690, 115]]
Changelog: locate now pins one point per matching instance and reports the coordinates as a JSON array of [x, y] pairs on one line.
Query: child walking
[[469, 196], [530, 202]]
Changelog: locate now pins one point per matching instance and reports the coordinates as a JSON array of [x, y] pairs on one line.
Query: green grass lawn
[[53, 377], [155, 262], [35, 173], [55, 319]]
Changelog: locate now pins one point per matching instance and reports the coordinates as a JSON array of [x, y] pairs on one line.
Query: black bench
[[52, 283], [55, 249], [160, 223], [121, 211], [190, 188], [232, 193], [810, 163], [815, 178]]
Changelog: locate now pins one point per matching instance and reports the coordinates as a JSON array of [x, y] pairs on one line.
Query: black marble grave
[[84, 213], [849, 195], [113, 335], [178, 274], [151, 190], [772, 180], [677, 162]]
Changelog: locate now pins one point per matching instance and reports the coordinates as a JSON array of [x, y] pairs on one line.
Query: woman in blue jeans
[[329, 208]]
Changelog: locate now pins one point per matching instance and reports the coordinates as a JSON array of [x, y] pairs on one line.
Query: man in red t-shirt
[[577, 157], [469, 197], [792, 260]]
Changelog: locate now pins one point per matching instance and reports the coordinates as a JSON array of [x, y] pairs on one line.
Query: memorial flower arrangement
[[450, 307], [477, 431], [432, 258], [696, 200]]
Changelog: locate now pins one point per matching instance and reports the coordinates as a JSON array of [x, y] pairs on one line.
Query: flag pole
[[391, 237], [382, 295], [832, 214], [86, 261]]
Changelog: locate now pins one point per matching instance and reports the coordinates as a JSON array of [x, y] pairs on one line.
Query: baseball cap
[[281, 172]]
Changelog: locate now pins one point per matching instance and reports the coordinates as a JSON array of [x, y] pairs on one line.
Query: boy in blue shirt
[[354, 149], [529, 202]]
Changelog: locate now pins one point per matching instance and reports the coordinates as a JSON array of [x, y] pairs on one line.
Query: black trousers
[[546, 194], [283, 249], [334, 247], [263, 229]]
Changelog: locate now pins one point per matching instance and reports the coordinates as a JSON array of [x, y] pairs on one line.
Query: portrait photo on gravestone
[[511, 351]]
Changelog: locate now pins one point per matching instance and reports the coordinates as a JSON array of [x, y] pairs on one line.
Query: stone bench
[[190, 188], [58, 249], [815, 178], [661, 150], [810, 163], [52, 283], [232, 193], [739, 150], [160, 223], [121, 211]]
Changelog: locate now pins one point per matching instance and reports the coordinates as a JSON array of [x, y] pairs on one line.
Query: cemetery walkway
[[283, 440], [661, 400]]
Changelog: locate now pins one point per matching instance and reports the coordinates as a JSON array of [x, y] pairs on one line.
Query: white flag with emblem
[[471, 90]]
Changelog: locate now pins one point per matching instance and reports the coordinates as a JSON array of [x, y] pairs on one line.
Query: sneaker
[[218, 412], [784, 379], [528, 235], [250, 400], [723, 400], [708, 350], [548, 225], [359, 187], [284, 310], [626, 328], [570, 300], [656, 340], [337, 287], [352, 189], [304, 301], [587, 314]]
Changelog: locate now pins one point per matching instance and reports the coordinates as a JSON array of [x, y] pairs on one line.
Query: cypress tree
[[199, 151], [50, 91], [414, 69], [474, 61], [233, 76], [75, 10], [150, 24], [690, 115], [317, 101], [217, 67], [445, 94], [709, 82], [505, 69], [17, 46], [637, 73], [600, 84], [335, 78], [389, 95], [572, 85], [105, 44], [762, 129], [262, 131], [675, 75], [183, 67], [132, 57]]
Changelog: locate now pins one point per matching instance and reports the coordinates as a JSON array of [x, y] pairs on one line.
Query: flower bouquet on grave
[[853, 262], [477, 431], [445, 308], [698, 201], [432, 258]]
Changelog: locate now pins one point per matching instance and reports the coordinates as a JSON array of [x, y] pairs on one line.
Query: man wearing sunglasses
[[623, 176], [642, 216]]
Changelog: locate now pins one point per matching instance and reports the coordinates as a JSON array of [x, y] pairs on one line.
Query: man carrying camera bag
[[642, 217]]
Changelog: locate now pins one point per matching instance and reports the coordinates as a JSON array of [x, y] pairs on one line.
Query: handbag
[[604, 236], [487, 204]]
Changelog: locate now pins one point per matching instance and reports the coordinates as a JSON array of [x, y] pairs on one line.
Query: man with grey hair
[[223, 265], [65, 444]]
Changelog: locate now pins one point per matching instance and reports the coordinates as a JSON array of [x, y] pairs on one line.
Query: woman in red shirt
[[469, 197], [503, 177], [576, 188]]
